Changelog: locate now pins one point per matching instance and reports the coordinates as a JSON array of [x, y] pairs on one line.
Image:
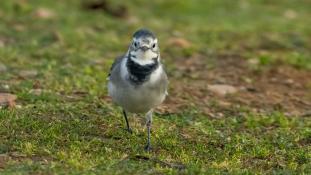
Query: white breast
[[156, 75]]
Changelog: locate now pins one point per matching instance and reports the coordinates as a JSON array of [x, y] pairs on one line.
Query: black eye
[[153, 45], [135, 44]]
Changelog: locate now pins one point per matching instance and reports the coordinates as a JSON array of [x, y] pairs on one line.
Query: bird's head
[[144, 47]]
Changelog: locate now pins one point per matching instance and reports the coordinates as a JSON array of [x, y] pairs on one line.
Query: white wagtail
[[137, 80]]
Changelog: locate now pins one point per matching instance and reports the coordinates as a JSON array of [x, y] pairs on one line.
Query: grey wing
[[115, 64], [164, 82]]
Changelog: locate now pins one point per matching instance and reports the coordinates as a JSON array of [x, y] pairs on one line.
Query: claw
[[129, 130], [148, 148]]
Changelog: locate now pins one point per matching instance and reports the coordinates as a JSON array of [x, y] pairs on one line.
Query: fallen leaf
[[222, 89], [7, 99], [44, 13]]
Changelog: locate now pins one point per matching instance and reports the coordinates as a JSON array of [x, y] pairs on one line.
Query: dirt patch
[[119, 11], [7, 99], [276, 87], [19, 157], [4, 158]]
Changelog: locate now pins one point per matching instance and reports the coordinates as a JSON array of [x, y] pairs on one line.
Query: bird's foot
[[129, 130], [148, 148]]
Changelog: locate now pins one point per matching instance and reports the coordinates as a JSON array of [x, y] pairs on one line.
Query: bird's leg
[[127, 123], [149, 120]]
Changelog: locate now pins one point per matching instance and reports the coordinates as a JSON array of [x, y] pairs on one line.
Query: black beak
[[144, 48]]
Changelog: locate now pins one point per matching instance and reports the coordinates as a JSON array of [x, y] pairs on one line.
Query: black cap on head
[[143, 33]]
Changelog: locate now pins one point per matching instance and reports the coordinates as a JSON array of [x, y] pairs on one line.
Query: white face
[[144, 49]]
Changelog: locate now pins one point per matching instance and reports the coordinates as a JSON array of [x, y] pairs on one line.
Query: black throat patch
[[138, 74]]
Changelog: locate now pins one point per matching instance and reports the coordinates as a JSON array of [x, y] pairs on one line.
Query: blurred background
[[69, 45], [227, 61]]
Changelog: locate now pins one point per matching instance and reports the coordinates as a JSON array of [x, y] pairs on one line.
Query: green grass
[[63, 132]]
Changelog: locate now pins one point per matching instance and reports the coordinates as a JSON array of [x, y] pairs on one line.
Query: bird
[[137, 80]]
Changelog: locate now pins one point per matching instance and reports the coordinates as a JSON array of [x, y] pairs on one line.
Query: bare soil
[[276, 87]]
